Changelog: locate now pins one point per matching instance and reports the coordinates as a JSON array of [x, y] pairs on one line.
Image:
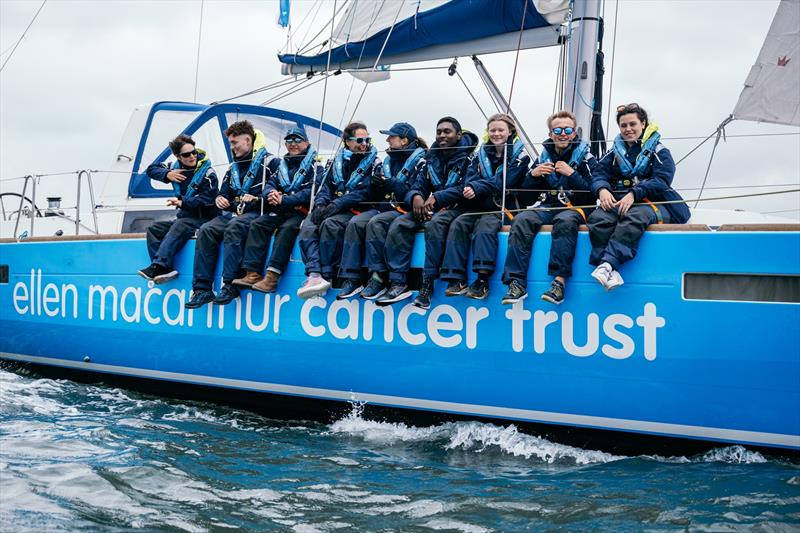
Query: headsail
[[422, 30], [770, 91]]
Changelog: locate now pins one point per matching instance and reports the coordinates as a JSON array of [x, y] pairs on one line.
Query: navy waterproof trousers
[[166, 238], [321, 246], [287, 225], [564, 241], [436, 231], [615, 238], [484, 229], [232, 233], [400, 246], [354, 244]]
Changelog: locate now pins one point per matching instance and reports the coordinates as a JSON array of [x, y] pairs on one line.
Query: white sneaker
[[602, 274], [313, 287], [614, 281]]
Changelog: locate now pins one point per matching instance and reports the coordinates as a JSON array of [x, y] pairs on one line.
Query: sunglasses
[[565, 131], [188, 154], [627, 108], [294, 140], [360, 140]]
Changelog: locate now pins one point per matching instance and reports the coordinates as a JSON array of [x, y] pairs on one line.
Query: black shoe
[[164, 274], [350, 288], [455, 288], [374, 289], [555, 294], [423, 299], [516, 292], [397, 292], [199, 299], [149, 272], [479, 290], [226, 295]]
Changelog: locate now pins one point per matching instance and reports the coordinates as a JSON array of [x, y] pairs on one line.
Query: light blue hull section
[[639, 359]]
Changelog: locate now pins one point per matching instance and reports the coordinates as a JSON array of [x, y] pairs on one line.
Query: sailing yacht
[[700, 346]]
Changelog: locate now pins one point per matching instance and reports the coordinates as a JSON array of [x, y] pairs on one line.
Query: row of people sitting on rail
[[367, 209]]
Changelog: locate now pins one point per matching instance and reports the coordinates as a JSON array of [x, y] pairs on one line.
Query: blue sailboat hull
[[644, 359]]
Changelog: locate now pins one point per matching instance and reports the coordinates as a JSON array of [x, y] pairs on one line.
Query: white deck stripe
[[679, 430]]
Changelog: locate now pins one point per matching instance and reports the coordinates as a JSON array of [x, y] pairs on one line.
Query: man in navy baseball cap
[[403, 130], [296, 132]]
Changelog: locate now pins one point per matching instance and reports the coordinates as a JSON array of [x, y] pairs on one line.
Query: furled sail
[[772, 90], [404, 31]]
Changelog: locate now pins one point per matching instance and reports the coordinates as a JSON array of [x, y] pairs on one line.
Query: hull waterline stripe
[[660, 428]]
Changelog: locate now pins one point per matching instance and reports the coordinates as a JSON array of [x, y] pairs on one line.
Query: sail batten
[[389, 33], [770, 91]]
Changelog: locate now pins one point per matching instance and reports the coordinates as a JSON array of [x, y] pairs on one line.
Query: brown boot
[[248, 279], [269, 283]]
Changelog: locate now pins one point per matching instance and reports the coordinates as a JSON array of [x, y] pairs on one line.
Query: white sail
[[772, 90]]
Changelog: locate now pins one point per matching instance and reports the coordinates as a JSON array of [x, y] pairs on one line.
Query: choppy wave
[[92, 457]]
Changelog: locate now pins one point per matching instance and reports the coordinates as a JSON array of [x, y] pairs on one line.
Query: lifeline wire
[[199, 40], [23, 35]]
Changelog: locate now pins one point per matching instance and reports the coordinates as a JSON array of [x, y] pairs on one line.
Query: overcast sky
[[69, 89]]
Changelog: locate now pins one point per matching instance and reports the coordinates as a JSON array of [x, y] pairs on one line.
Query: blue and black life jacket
[[633, 172], [408, 167], [487, 171], [294, 184], [556, 180], [202, 168], [356, 176]]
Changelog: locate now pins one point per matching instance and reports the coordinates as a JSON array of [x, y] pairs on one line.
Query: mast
[[582, 65]]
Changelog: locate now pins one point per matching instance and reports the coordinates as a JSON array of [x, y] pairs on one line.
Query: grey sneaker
[[374, 289], [516, 292], [555, 294], [396, 293], [479, 290], [350, 288]]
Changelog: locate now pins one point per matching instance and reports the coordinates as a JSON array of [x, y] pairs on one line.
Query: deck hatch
[[773, 288]]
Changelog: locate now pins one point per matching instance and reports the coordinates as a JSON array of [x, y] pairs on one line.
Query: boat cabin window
[[162, 131], [742, 287], [275, 128]]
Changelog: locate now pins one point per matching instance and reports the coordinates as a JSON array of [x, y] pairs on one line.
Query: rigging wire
[[329, 41], [611, 75], [22, 36], [485, 116], [297, 88], [197, 64], [516, 57], [274, 85]]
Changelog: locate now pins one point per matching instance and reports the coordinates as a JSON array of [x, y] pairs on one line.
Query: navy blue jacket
[[201, 203], [459, 158], [263, 173], [395, 191], [345, 199], [580, 180], [489, 191], [655, 184], [300, 199]]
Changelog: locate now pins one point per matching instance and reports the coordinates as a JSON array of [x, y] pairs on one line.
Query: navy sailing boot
[[199, 299], [227, 294]]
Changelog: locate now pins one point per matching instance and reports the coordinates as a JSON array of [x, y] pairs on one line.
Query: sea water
[[76, 457]]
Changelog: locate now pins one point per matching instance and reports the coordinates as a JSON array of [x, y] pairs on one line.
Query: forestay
[[406, 31], [770, 92]]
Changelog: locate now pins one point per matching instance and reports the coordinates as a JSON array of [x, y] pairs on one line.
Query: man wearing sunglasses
[[195, 184], [558, 188], [288, 193], [241, 200]]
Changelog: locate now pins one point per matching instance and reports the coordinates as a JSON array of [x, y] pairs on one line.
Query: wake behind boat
[[686, 350]]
